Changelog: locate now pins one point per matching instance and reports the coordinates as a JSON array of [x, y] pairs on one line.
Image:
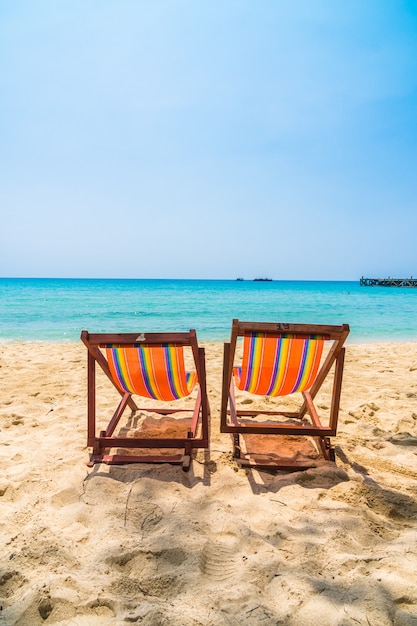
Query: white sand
[[153, 545]]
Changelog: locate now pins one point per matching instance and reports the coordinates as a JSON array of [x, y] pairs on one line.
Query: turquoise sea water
[[58, 309]]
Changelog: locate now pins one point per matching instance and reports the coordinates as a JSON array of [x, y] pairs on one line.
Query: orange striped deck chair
[[152, 367], [282, 360]]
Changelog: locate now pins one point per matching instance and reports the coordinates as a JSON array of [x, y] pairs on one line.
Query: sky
[[208, 138]]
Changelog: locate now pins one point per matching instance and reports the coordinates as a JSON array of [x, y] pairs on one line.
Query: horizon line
[[239, 279]]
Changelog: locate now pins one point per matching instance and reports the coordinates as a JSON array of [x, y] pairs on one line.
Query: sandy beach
[[220, 546]]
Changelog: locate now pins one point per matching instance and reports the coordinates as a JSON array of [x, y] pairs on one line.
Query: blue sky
[[208, 138]]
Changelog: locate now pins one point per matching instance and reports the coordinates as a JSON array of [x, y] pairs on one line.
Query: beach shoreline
[[219, 545]]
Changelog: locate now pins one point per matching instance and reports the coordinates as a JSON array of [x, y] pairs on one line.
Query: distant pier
[[388, 282]]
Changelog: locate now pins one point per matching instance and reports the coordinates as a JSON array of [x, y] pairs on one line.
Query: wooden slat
[[331, 331], [97, 339]]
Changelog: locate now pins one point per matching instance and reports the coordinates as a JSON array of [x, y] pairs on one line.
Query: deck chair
[[280, 360], [149, 365]]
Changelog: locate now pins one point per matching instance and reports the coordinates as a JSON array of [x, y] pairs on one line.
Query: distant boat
[[240, 279], [263, 279]]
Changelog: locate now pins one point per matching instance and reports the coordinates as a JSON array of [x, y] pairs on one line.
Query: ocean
[[43, 309]]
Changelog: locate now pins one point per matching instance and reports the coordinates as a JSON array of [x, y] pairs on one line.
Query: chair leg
[[186, 459], [337, 388], [186, 463], [330, 450], [237, 452], [326, 448], [97, 451]]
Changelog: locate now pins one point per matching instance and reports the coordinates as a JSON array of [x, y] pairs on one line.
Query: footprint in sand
[[65, 497], [143, 517], [366, 412], [153, 573], [219, 560], [403, 439], [10, 582]]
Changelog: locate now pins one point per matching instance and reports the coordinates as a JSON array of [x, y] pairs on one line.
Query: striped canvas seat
[[278, 366], [155, 372]]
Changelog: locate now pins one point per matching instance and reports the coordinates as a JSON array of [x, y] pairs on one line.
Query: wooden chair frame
[[230, 414], [105, 441]]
